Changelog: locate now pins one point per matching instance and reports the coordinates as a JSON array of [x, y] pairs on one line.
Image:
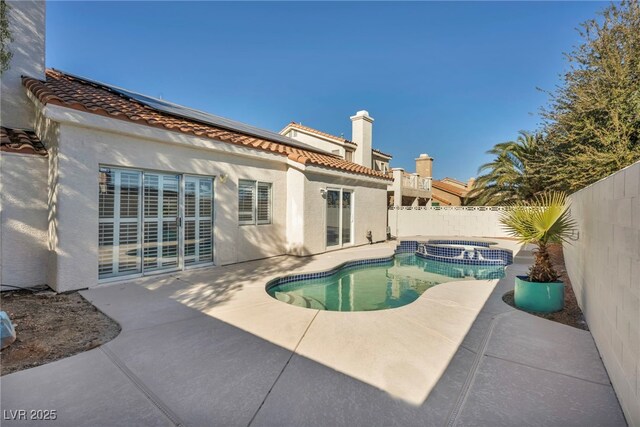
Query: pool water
[[390, 284]]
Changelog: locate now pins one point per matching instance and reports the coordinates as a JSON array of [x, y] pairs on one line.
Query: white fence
[[415, 181], [604, 267], [473, 221]]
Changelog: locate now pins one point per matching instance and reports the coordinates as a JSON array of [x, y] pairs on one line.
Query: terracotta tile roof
[[299, 126], [441, 200], [21, 141], [328, 135], [449, 188], [454, 181], [375, 150], [76, 93]]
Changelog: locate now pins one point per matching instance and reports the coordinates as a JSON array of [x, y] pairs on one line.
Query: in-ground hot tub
[[469, 252]]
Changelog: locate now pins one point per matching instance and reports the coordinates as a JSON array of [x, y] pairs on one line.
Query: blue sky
[[448, 79]]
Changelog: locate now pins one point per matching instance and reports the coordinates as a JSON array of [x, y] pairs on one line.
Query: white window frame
[[348, 155], [254, 202]]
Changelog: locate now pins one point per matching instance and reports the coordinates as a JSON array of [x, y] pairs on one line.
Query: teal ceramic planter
[[540, 297]]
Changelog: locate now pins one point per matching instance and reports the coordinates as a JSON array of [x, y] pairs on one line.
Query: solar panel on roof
[[203, 117]]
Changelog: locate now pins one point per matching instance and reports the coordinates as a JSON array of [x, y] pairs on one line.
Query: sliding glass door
[[333, 217], [151, 222], [346, 218], [339, 228]]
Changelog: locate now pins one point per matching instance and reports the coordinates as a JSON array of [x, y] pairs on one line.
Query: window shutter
[[264, 203], [205, 223], [105, 245], [129, 194], [246, 202], [107, 190], [119, 212]]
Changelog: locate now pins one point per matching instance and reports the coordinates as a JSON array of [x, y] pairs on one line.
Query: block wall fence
[[604, 267], [470, 221]]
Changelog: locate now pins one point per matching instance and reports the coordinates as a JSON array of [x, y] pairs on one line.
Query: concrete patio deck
[[209, 347]]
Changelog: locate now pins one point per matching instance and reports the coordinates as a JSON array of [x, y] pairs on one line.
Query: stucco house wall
[[380, 163], [451, 198], [27, 22], [369, 204], [83, 150], [317, 141], [23, 218], [79, 143], [296, 211], [49, 133]]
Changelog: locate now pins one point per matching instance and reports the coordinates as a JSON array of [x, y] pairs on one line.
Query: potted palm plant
[[543, 221]]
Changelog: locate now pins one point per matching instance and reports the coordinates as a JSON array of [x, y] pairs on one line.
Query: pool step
[[299, 300]]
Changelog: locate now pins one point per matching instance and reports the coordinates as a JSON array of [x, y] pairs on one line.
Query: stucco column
[[397, 186], [295, 211]]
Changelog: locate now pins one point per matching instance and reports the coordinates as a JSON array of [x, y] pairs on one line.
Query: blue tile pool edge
[[404, 246], [504, 256], [320, 274]]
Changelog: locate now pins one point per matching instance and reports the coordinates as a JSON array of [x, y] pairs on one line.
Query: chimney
[[362, 128], [424, 166], [27, 23]]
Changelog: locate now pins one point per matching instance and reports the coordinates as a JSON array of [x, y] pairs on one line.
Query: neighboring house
[[462, 185], [407, 189], [359, 150], [101, 183], [438, 201], [412, 189], [419, 189], [450, 191]]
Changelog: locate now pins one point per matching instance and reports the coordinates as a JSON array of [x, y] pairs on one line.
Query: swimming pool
[[374, 284]]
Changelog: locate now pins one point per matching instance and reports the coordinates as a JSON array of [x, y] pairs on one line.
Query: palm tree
[[544, 220], [509, 177]]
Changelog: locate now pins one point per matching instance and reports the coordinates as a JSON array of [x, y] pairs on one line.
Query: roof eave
[[324, 170], [45, 98]]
